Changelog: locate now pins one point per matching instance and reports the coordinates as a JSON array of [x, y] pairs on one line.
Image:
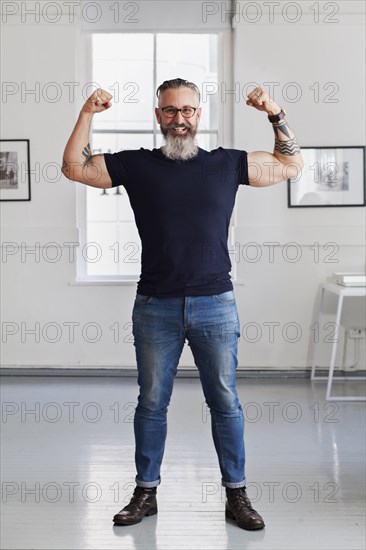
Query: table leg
[[317, 343], [334, 347]]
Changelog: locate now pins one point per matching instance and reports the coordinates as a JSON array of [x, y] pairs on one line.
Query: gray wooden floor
[[68, 467]]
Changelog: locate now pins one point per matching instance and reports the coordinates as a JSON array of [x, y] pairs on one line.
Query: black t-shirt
[[182, 211]]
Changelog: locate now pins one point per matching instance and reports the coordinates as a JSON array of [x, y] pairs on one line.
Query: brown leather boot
[[238, 507], [143, 503]]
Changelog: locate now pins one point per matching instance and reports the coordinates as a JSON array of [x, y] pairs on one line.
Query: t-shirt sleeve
[[117, 166], [243, 174]]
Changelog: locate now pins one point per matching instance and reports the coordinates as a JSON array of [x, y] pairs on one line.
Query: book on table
[[350, 279]]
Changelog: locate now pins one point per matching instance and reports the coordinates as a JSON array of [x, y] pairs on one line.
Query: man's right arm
[[79, 164]]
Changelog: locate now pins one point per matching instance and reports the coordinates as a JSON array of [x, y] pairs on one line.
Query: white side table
[[342, 292]]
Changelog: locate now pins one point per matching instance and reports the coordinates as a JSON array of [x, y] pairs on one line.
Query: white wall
[[273, 292], [273, 50]]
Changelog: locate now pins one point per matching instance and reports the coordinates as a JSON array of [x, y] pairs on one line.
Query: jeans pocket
[[225, 297], [142, 299]]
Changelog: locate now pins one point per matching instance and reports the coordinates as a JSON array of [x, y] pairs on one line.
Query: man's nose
[[179, 119]]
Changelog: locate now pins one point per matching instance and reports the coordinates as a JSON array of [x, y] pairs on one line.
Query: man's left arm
[[286, 160]]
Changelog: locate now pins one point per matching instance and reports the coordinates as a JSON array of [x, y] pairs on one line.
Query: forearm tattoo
[[87, 154], [287, 146]]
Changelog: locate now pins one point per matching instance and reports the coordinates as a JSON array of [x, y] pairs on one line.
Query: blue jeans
[[211, 326]]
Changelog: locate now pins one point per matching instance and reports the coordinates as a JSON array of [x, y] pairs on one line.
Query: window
[[131, 67]]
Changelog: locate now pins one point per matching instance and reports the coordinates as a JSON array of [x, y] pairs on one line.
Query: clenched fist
[[259, 99], [98, 102]]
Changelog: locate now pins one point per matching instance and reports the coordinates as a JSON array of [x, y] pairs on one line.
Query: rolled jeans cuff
[[148, 484], [233, 485]]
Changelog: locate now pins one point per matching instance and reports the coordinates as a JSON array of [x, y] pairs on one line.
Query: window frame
[[224, 135]]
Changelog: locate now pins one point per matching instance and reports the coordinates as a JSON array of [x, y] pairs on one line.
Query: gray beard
[[177, 148]]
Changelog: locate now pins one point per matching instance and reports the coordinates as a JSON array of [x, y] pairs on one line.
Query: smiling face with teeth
[[179, 132]]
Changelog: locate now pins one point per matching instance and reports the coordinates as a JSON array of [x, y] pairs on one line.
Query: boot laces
[[138, 492], [240, 496]]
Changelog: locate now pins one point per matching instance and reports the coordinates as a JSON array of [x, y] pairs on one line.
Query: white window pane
[[108, 205], [112, 143], [123, 66], [100, 258], [129, 249], [207, 141], [113, 249], [100, 206]]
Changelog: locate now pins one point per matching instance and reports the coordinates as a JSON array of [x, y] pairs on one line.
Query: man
[[182, 198]]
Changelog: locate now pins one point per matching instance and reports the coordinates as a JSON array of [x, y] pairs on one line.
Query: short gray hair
[[177, 83]]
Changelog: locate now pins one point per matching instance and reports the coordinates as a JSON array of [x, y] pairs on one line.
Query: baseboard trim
[[182, 373]]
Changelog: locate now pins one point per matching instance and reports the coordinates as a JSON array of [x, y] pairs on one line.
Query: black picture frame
[[15, 184], [333, 177]]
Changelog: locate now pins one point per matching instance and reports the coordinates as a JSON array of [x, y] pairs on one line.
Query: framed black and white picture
[[332, 176], [14, 170]]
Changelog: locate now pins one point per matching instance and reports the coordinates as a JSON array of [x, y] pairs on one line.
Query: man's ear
[[158, 114], [199, 111]]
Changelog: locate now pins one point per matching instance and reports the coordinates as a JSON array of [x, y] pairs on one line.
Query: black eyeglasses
[[170, 112]]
